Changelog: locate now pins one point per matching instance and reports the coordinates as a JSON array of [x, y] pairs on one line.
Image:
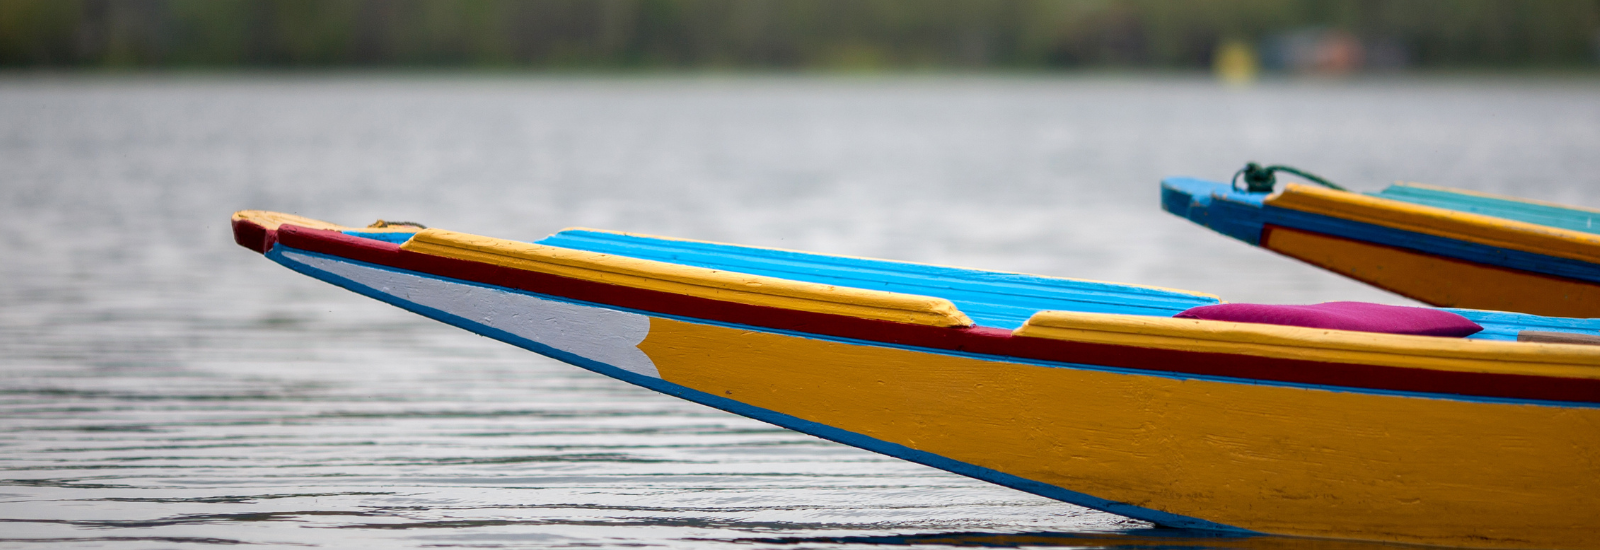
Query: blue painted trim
[[779, 419], [1002, 300], [1216, 206]]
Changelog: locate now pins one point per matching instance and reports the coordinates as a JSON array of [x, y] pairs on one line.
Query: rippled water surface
[[162, 387]]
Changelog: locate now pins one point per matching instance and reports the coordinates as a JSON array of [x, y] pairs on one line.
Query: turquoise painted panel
[[1504, 325], [1553, 216], [1003, 300]]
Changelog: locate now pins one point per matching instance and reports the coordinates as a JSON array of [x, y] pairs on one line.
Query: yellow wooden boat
[[1441, 246], [1086, 392]]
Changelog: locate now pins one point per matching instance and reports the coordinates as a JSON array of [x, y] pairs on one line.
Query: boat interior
[[991, 299]]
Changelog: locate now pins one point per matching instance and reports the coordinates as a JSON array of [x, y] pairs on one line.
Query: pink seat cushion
[[1358, 316]]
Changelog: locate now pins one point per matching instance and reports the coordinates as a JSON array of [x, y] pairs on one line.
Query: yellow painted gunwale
[[1440, 222], [1313, 344], [689, 280], [272, 220]]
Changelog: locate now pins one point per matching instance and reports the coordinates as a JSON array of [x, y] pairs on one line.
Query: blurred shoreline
[[1301, 36], [1476, 77]]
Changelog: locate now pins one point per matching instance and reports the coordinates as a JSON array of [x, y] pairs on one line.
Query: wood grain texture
[[1558, 337], [1272, 459], [1437, 280]]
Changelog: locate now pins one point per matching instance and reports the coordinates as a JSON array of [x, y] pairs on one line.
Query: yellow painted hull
[[1266, 458], [1437, 280]]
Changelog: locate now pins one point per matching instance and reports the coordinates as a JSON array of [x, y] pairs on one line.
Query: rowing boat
[[1441, 246], [1087, 392]]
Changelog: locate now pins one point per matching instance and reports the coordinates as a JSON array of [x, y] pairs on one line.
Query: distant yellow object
[[1235, 63]]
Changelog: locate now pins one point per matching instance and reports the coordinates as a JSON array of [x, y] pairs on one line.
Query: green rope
[[380, 224], [1260, 179]]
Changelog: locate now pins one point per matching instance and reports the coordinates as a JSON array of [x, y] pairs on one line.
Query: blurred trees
[[779, 34]]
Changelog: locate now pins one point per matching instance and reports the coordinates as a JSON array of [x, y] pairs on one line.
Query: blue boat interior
[[1574, 219], [991, 299]]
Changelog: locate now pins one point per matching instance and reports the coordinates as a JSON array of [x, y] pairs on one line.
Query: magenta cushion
[[1358, 316]]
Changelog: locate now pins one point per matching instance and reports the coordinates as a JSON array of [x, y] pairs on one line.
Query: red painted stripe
[[253, 236], [980, 340]]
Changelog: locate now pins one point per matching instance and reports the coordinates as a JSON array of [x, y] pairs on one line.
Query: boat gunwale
[[997, 343]]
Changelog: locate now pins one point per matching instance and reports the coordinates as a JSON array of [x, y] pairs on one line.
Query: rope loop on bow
[[1261, 179]]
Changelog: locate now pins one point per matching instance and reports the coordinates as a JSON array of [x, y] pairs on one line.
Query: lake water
[[161, 387]]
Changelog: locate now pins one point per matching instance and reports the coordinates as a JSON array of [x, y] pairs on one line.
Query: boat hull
[[1120, 429], [1436, 256]]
